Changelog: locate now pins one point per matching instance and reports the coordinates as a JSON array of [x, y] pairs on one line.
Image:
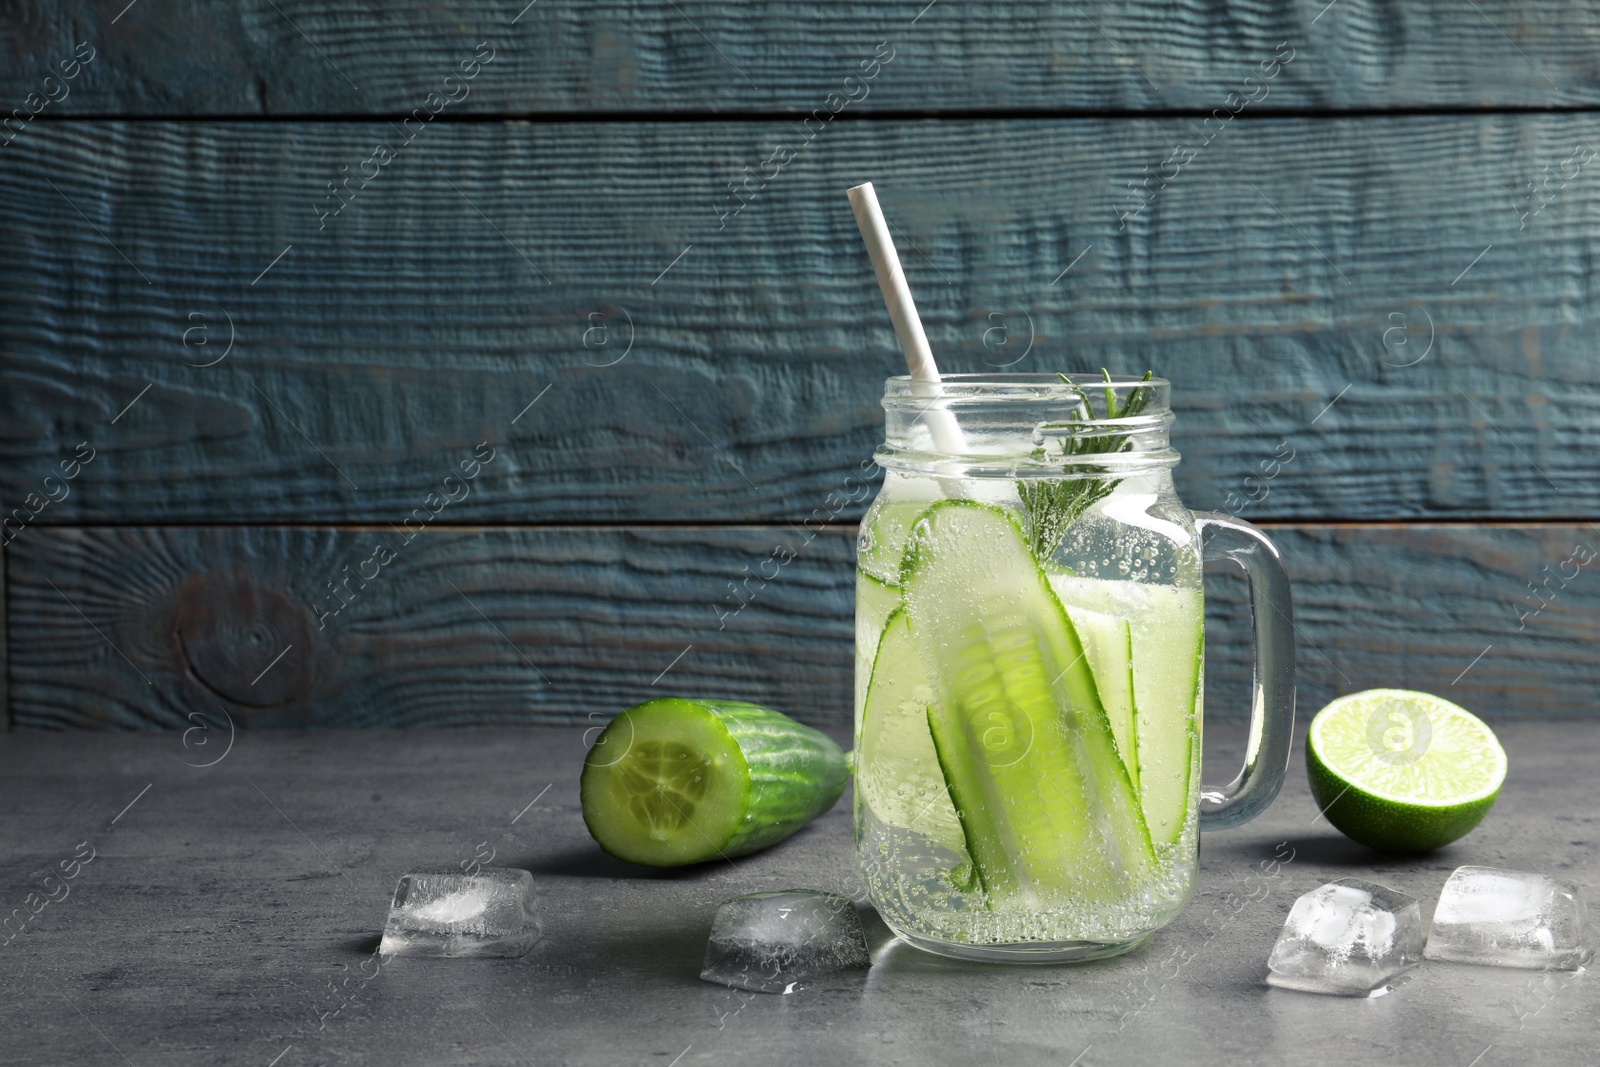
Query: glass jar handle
[[1266, 756]]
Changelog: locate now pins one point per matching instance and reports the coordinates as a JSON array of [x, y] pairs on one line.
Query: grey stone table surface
[[228, 914]]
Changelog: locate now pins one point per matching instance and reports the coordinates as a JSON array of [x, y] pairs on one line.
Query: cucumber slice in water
[[1027, 753], [672, 782], [884, 531], [1108, 644], [1166, 629], [898, 776], [875, 601], [1168, 656]]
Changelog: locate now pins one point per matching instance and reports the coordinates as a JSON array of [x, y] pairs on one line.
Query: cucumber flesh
[[672, 782], [1023, 742], [1169, 658], [897, 776], [1166, 625], [884, 530], [1108, 644], [875, 601]]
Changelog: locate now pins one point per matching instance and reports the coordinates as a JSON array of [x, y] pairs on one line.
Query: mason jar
[[1030, 648]]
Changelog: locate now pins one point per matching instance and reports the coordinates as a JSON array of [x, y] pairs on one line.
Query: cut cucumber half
[[1108, 644], [875, 601], [897, 769], [672, 782], [1026, 751]]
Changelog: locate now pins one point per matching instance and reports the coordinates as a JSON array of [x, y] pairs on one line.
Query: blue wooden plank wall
[[578, 285]]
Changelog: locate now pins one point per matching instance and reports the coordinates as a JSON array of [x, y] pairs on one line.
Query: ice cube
[[1347, 938], [446, 911], [1510, 919], [772, 942]]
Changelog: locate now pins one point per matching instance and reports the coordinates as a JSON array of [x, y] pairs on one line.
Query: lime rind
[[1409, 748], [1386, 825]]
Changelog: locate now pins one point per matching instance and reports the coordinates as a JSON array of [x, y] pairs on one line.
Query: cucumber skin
[[793, 774], [796, 773]]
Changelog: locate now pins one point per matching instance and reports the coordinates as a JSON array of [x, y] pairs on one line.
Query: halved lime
[[1401, 771]]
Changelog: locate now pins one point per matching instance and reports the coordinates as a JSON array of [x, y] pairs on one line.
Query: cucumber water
[[672, 782], [1027, 738], [1023, 741]]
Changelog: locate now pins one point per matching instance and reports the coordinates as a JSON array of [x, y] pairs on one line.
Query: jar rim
[[1020, 423], [1027, 385], [1063, 400]]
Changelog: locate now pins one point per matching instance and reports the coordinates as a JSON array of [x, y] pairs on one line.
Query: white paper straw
[[947, 436]]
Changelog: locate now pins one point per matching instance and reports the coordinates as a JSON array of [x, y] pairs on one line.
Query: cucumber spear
[[1027, 752]]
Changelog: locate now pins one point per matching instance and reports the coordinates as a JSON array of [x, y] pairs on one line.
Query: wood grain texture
[[460, 626], [348, 57], [1378, 265], [1502, 619], [5, 649], [133, 628]]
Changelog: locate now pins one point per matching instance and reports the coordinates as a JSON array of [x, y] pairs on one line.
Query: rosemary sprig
[[1054, 504]]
